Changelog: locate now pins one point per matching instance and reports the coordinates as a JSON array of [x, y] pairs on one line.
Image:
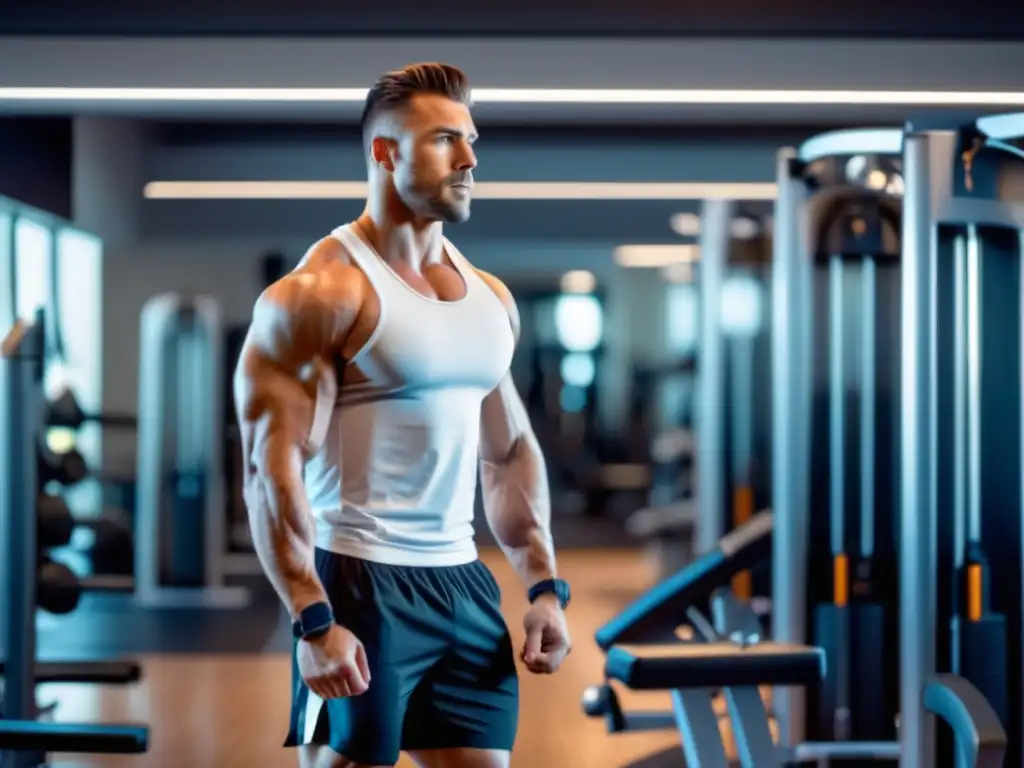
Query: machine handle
[[980, 737]]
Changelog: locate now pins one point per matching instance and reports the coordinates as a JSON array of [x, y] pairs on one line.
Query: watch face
[[562, 590]]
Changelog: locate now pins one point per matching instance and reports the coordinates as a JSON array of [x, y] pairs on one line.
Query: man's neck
[[402, 239]]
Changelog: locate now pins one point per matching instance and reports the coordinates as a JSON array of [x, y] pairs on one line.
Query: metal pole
[[867, 408], [918, 543], [837, 407], [714, 252], [1020, 256], [741, 379], [20, 385], [960, 486], [973, 359], [959, 411], [791, 414]]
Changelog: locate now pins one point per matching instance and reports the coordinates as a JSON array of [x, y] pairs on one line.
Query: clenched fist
[[547, 636], [334, 665]]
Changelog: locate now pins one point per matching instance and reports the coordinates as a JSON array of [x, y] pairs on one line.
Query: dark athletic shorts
[[442, 667]]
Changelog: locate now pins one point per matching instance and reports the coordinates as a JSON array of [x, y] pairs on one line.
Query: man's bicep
[[281, 376], [503, 421], [275, 412]]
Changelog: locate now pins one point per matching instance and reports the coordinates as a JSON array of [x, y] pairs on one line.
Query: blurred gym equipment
[[682, 600], [24, 740], [110, 551], [64, 411], [666, 525], [732, 309], [59, 589], [963, 221], [978, 634], [847, 252], [954, 180], [180, 521], [655, 615], [731, 413], [647, 651]]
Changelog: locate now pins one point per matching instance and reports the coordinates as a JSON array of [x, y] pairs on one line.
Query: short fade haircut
[[394, 90]]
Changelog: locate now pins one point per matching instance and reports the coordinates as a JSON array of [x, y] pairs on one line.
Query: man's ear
[[382, 152]]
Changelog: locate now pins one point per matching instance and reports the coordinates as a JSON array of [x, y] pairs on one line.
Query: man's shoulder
[[325, 282], [328, 255]]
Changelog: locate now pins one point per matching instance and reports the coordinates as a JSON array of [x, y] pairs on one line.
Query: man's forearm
[[517, 503], [284, 538]]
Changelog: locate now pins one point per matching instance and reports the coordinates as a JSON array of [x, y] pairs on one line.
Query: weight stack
[[981, 635], [983, 656], [871, 658], [831, 634], [873, 654]]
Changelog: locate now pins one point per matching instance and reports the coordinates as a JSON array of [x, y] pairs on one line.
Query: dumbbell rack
[[24, 741]]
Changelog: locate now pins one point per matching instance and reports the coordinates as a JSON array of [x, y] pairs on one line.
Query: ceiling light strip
[[695, 96], [649, 256], [484, 190]]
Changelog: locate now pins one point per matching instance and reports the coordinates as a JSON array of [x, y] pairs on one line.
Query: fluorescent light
[[255, 190], [655, 255], [876, 179], [744, 228], [578, 281], [688, 225], [484, 190], [534, 96], [685, 224]]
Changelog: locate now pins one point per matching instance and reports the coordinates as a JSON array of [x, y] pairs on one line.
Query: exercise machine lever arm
[[980, 737]]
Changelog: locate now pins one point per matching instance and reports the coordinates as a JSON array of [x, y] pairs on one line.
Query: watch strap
[[557, 587], [313, 621]]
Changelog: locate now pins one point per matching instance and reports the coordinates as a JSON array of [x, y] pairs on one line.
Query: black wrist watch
[[314, 621], [557, 587]]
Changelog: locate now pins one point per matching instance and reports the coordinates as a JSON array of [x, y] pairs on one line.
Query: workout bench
[[693, 672], [735, 661]]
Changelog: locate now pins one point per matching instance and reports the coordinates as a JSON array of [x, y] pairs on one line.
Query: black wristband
[[557, 587], [313, 622]]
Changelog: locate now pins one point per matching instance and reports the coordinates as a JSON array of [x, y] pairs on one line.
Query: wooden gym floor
[[231, 711]]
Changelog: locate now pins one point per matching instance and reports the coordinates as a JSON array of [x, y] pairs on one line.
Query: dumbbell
[[54, 522], [64, 411], [59, 589], [67, 468], [112, 548]]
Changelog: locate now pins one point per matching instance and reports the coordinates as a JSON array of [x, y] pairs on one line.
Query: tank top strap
[[361, 254], [473, 281]]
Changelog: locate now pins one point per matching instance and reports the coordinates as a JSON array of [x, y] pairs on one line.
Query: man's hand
[[547, 636], [334, 666]]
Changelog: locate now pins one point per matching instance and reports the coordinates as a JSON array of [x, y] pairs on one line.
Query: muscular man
[[373, 384]]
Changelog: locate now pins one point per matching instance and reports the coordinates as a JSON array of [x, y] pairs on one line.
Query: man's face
[[434, 162]]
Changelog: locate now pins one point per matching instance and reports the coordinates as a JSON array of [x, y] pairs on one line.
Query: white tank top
[[395, 481]]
